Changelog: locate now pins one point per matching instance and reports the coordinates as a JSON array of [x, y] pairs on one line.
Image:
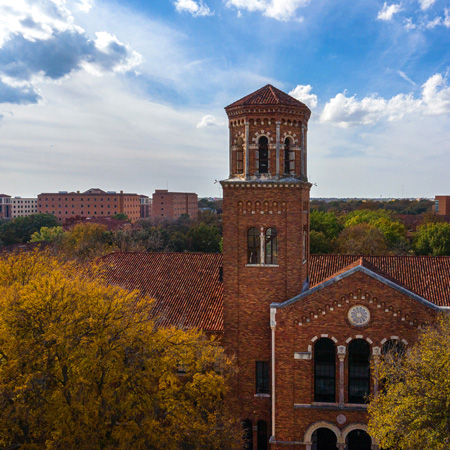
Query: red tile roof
[[187, 287], [267, 95], [427, 276], [189, 292]]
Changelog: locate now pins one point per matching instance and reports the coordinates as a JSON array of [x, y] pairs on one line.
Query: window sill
[[262, 265], [262, 395], [333, 406]]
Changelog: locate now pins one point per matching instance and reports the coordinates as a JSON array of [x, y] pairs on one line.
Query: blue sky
[[130, 95]]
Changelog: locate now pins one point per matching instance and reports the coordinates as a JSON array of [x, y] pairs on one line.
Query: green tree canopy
[[19, 230], [82, 367], [204, 238], [54, 235], [413, 409], [361, 239], [433, 239], [326, 223]]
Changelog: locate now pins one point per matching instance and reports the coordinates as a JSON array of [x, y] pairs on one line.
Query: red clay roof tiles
[[189, 291], [267, 95]]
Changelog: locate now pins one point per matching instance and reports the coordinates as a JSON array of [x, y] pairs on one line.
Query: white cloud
[[283, 10], [387, 12], [346, 111], [447, 17], [196, 8], [433, 23], [425, 4], [409, 24], [436, 95], [39, 41], [303, 94], [405, 77], [209, 121]]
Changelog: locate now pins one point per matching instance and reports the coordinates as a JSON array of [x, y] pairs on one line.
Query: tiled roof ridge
[[267, 95]]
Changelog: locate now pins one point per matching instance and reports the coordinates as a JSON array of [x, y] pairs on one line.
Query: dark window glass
[[262, 377], [248, 435], [253, 247], [262, 435], [271, 246], [263, 155], [287, 151], [394, 347], [324, 439], [240, 156], [358, 440], [324, 371], [358, 371]]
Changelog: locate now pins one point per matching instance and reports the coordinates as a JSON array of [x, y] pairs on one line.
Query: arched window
[[263, 155], [262, 435], [287, 155], [324, 439], [324, 371], [271, 246], [248, 434], [358, 371], [240, 155], [253, 246], [394, 347], [358, 440]]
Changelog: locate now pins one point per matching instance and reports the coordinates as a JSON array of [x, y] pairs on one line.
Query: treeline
[[398, 206], [89, 240], [376, 232]]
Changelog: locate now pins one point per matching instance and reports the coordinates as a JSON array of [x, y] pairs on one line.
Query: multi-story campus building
[[303, 329], [5, 206], [145, 206], [171, 205], [91, 203], [23, 206]]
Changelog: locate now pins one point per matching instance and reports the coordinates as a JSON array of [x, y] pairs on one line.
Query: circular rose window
[[358, 315]]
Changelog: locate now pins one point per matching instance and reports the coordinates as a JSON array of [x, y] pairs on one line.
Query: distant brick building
[[5, 206], [304, 330], [91, 203], [145, 206], [171, 205], [442, 205], [23, 206]]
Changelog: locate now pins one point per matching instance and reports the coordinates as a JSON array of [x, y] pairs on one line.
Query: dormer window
[[263, 155]]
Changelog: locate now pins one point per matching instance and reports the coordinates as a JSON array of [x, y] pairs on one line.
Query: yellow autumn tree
[[412, 410], [83, 367]]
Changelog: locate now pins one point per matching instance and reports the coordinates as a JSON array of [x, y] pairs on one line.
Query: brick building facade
[[171, 205], [303, 329], [91, 203]]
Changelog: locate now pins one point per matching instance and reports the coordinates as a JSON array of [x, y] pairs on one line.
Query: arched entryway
[[324, 439], [358, 440]]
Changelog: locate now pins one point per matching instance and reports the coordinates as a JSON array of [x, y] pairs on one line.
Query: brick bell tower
[[265, 240]]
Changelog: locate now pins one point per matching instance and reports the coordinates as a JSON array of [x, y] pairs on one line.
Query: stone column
[[376, 352], [341, 356], [303, 150], [230, 140], [262, 241], [278, 149], [247, 150]]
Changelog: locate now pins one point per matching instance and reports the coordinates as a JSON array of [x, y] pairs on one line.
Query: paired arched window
[[324, 371], [248, 434], [358, 371], [271, 246], [262, 435], [287, 155], [263, 166], [262, 242]]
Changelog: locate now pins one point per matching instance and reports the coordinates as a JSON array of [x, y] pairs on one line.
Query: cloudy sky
[[130, 95]]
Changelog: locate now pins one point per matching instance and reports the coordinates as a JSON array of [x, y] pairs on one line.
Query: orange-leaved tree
[[82, 366]]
